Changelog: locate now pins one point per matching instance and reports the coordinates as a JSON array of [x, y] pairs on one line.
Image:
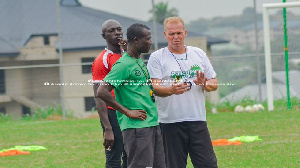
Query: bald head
[[112, 32], [107, 24]]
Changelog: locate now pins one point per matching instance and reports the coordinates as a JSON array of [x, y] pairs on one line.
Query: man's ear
[[103, 35], [165, 35], [135, 39]]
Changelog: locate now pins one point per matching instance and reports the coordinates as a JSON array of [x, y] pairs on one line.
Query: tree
[[162, 12], [200, 25], [249, 11]]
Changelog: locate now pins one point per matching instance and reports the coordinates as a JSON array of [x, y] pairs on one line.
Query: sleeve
[[112, 60], [93, 70], [209, 71], [118, 74], [98, 71], [154, 67]]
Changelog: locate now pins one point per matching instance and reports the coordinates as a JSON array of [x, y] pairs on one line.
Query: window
[[2, 110], [26, 111], [2, 81], [46, 40], [89, 103], [87, 64]]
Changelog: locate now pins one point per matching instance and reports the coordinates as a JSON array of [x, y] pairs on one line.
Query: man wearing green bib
[[135, 103]]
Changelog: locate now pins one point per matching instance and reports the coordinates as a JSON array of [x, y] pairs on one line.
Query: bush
[[47, 111], [4, 117], [228, 106], [282, 103], [27, 117]]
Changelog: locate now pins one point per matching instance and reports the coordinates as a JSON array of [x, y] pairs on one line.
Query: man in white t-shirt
[[180, 74]]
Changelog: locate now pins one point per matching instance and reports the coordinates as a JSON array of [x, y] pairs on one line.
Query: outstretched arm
[[207, 85]]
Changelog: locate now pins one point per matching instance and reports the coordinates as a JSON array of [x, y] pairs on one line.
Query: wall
[[77, 84]]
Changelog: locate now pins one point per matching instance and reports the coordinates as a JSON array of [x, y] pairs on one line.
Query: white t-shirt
[[164, 65]]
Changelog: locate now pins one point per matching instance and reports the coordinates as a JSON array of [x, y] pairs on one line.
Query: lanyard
[[145, 74], [181, 69], [186, 61], [148, 80]]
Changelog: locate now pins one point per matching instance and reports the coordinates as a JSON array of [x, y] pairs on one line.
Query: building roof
[[81, 26], [6, 48], [228, 46]]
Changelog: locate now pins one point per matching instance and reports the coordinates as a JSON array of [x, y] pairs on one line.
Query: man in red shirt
[[113, 141]]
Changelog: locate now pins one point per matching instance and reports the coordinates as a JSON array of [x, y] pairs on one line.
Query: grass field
[[78, 143]]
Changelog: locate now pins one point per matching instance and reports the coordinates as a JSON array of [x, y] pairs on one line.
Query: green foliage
[[47, 111], [279, 15], [199, 26], [228, 106], [282, 103], [162, 12], [94, 110], [27, 117], [4, 117], [43, 113], [249, 11]]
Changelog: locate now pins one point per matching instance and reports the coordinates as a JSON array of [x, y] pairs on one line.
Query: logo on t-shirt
[[137, 73], [186, 74]]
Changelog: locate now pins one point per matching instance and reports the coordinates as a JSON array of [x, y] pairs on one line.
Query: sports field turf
[[78, 143]]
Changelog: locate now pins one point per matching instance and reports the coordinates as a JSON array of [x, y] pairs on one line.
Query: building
[[246, 35], [29, 53]]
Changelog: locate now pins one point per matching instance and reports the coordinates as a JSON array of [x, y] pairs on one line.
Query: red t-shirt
[[102, 66]]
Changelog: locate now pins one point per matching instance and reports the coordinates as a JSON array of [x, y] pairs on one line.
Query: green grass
[[78, 143]]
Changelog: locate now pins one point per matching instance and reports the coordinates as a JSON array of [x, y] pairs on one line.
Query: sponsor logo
[[137, 73], [186, 74]]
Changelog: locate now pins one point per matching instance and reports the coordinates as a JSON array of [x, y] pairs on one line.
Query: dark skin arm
[[108, 135], [103, 93]]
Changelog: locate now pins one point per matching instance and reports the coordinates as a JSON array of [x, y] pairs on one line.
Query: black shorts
[[189, 137]]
